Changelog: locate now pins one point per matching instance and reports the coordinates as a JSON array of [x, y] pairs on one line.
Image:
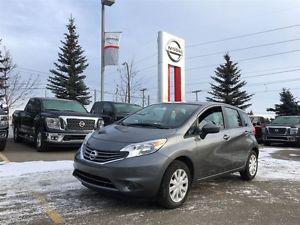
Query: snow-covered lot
[[46, 193]]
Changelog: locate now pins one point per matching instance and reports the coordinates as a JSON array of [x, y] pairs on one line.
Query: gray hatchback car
[[160, 150]]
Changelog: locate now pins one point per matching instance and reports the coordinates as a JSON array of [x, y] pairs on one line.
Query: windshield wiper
[[156, 125]]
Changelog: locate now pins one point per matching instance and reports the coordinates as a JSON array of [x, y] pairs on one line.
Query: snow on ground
[[18, 169], [269, 168], [277, 169]]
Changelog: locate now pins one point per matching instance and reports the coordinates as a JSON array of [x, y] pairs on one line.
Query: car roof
[[58, 99], [117, 103]]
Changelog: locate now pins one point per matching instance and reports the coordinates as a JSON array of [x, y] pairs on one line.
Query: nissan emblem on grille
[[93, 155], [81, 123], [276, 130]]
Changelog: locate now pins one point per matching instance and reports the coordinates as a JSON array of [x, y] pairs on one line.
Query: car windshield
[[122, 108], [61, 105], [290, 120], [161, 116]]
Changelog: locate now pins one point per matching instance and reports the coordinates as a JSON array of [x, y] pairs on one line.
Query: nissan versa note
[[160, 150]]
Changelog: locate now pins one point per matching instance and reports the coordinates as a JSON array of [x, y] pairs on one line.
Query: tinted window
[[233, 118], [163, 115], [122, 108], [246, 119], [61, 105], [107, 108], [213, 115], [288, 120], [97, 108]]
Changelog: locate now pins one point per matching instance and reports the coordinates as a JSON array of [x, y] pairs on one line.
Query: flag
[[111, 48]]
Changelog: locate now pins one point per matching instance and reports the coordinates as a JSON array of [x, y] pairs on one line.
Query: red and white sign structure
[[111, 48], [171, 68]]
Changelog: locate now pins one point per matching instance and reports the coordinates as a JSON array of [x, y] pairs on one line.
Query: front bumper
[[283, 138], [137, 176], [64, 138]]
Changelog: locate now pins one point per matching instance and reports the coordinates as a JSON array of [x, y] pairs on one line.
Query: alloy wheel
[[252, 164], [178, 186]]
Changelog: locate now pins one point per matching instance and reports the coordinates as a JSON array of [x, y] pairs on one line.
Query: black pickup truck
[[51, 121], [113, 111], [283, 129], [3, 128]]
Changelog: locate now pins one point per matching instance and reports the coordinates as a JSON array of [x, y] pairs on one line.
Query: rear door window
[[233, 118], [246, 119]]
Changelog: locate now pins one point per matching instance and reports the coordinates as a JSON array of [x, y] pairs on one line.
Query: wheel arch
[[189, 163]]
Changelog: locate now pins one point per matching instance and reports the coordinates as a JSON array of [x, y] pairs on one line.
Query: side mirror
[[209, 128]]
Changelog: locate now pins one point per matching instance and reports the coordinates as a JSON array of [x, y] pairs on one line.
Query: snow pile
[[18, 169], [277, 169]]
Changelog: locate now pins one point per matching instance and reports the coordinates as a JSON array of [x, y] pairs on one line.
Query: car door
[[107, 115], [236, 142], [27, 118], [210, 150]]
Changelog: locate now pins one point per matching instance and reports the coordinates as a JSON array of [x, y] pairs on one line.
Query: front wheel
[[251, 167], [40, 144], [175, 185]]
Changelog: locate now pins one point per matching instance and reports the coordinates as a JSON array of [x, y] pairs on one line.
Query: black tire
[[249, 173], [40, 144], [164, 196], [2, 145], [17, 138]]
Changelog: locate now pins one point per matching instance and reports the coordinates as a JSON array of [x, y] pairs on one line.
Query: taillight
[[254, 131]]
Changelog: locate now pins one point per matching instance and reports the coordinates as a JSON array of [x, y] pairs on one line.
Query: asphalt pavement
[[56, 197]]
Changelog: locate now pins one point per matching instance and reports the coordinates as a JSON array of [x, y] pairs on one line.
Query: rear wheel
[[175, 185], [17, 138], [251, 167], [40, 143]]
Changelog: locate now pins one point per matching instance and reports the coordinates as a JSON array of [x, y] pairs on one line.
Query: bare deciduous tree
[[16, 89], [129, 85], [19, 89]]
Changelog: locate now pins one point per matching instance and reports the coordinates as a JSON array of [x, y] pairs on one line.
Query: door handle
[[226, 137]]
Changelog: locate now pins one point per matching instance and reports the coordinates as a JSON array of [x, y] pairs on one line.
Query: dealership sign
[[171, 68]]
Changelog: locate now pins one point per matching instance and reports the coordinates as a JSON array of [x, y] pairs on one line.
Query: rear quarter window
[[246, 119]]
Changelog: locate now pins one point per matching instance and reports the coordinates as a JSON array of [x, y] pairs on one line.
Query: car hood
[[115, 137], [64, 113]]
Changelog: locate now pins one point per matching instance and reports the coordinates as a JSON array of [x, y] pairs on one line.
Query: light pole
[[196, 93], [128, 80], [143, 94], [103, 4]]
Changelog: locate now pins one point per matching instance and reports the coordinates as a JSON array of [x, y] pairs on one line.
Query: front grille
[[92, 179], [80, 124], [277, 130], [102, 156]]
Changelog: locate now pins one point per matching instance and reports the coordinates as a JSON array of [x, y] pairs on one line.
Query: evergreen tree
[[228, 85], [288, 105], [67, 79]]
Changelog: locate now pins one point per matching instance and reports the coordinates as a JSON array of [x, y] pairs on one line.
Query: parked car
[[113, 111], [283, 129], [259, 122], [160, 150], [4, 124], [51, 121]]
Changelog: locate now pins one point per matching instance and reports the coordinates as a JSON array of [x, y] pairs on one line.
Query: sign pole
[[102, 51]]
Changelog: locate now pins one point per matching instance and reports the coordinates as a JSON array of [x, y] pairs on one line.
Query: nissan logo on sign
[[174, 50]]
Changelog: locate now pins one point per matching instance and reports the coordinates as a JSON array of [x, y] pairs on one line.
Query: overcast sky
[[32, 30]]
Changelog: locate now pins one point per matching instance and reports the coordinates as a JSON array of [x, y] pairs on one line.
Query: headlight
[[293, 131], [4, 120], [53, 123], [144, 148], [100, 124]]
